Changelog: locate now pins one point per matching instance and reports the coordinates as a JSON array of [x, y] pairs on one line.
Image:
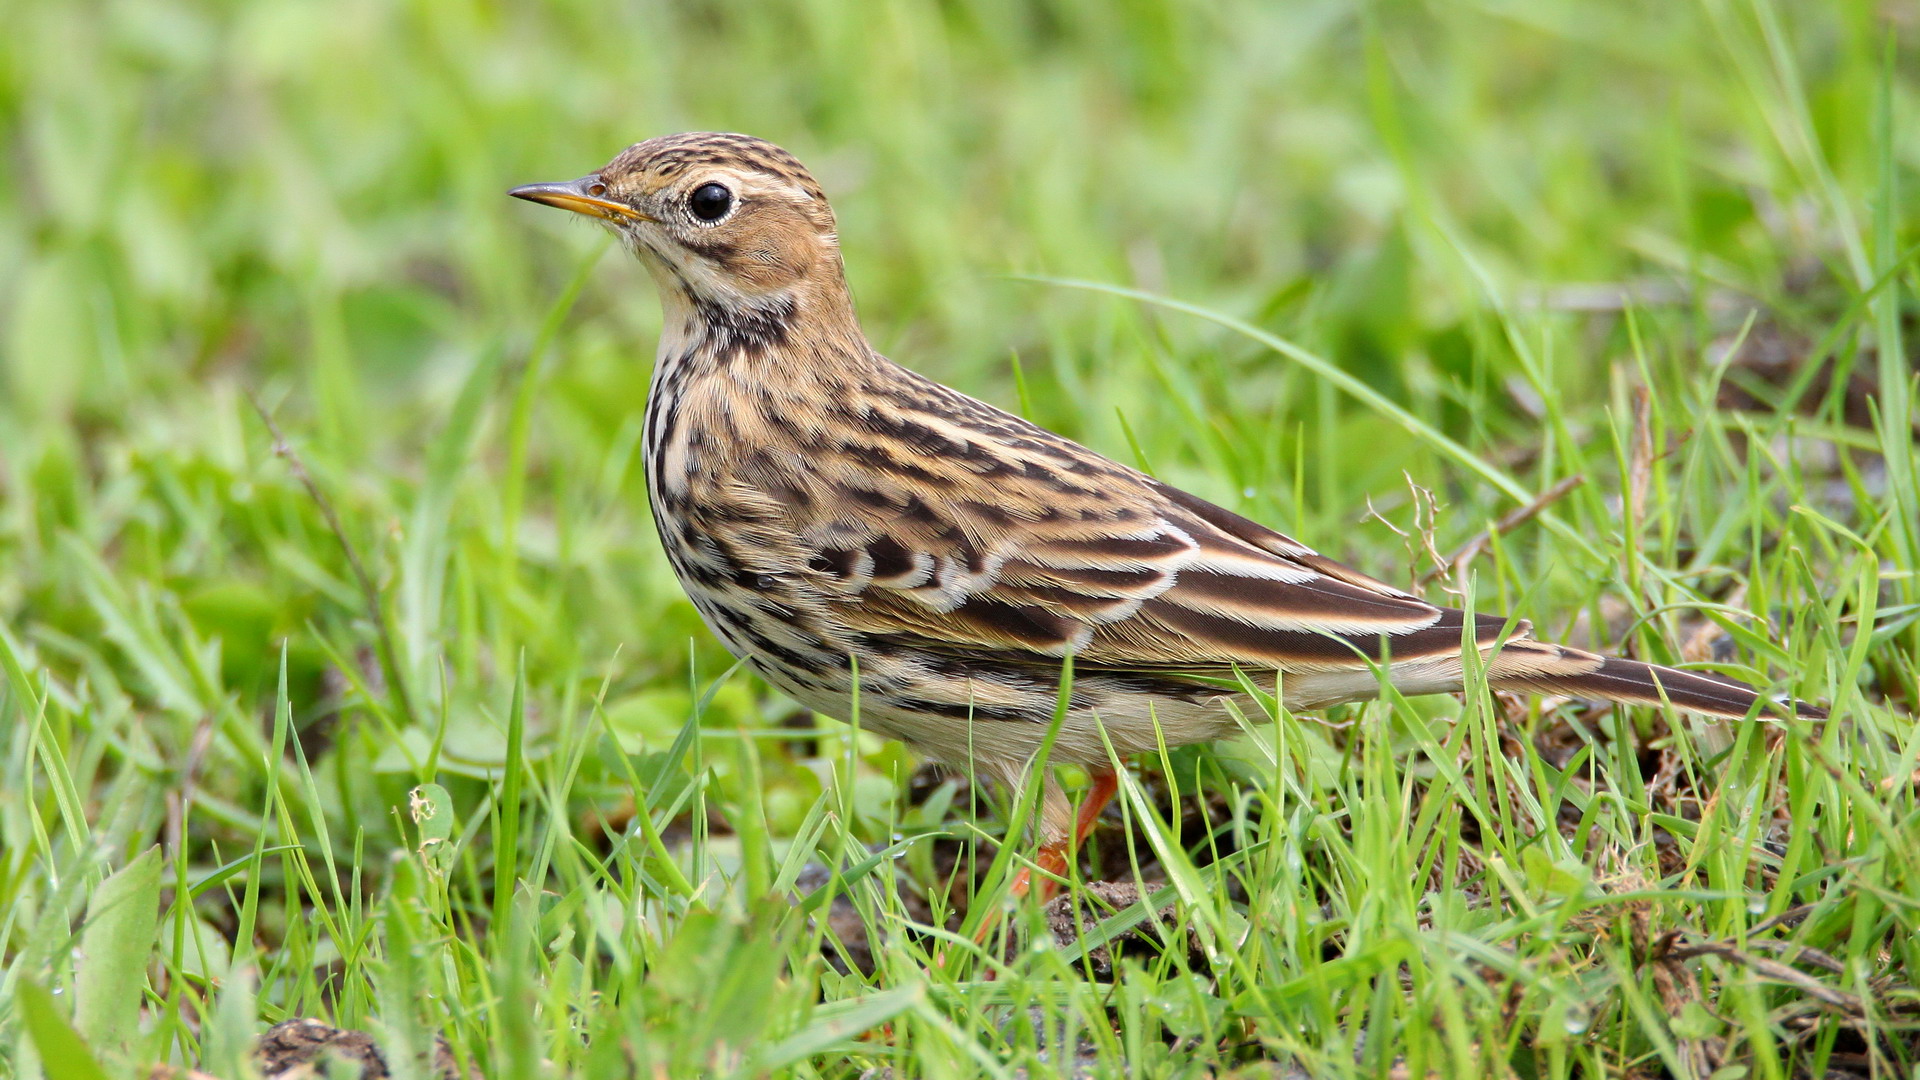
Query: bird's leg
[[1055, 856]]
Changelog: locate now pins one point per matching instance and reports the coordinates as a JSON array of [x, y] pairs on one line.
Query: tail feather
[[1556, 669]]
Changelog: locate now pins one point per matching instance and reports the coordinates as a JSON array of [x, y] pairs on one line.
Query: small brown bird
[[838, 519]]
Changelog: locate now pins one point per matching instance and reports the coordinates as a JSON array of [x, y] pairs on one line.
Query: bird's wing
[[1187, 586], [961, 528]]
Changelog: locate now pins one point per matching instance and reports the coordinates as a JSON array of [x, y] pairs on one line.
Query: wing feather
[[1006, 539], [1173, 593]]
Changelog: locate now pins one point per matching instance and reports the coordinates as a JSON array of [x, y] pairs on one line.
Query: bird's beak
[[578, 196]]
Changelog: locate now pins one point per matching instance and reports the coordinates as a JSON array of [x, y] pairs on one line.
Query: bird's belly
[[967, 721], [1090, 735]]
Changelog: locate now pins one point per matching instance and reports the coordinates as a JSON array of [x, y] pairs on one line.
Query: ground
[[341, 677]]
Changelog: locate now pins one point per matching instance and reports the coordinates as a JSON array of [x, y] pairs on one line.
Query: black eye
[[710, 202]]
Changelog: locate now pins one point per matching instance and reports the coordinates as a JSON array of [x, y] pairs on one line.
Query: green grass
[[1335, 246]]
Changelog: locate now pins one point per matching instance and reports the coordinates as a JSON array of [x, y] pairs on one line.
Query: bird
[[872, 542]]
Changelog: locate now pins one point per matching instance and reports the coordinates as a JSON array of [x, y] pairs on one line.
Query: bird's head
[[726, 222]]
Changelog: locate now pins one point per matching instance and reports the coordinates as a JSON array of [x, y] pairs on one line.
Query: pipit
[[841, 522]]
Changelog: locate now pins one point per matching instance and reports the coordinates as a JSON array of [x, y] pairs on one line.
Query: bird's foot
[[1056, 856]]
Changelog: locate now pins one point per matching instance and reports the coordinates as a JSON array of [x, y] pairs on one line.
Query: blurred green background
[[1500, 216]]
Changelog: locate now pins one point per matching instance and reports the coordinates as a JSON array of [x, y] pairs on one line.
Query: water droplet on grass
[[1576, 1020]]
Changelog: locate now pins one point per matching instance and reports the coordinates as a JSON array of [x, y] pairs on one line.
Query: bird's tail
[[1543, 668]]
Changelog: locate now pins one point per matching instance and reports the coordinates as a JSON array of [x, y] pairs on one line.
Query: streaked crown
[[671, 156]]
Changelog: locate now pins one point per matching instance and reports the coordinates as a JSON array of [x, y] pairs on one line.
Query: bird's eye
[[710, 202]]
